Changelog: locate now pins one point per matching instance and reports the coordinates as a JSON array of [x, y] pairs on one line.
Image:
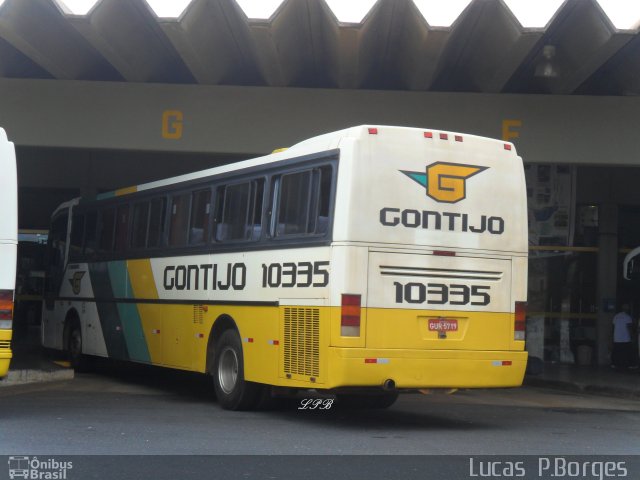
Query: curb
[[581, 388], [25, 376]]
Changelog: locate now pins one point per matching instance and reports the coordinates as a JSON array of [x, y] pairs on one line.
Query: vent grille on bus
[[198, 314], [302, 341], [5, 344], [453, 273]]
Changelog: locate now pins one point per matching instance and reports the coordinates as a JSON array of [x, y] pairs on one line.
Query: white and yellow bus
[[363, 262], [8, 246]]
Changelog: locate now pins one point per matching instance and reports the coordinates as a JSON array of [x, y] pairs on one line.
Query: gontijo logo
[[445, 182]]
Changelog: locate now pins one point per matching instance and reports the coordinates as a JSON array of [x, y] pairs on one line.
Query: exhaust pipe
[[389, 385]]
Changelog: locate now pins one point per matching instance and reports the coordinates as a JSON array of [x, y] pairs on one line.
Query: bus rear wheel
[[373, 401], [232, 390]]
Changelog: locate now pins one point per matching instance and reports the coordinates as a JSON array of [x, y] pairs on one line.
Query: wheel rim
[[228, 370]]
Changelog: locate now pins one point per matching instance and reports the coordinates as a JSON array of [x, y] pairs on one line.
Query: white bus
[[8, 246], [363, 262]]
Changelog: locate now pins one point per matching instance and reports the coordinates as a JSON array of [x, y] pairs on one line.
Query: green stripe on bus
[[129, 316]]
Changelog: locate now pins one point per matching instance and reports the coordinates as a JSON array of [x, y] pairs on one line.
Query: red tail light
[[520, 320], [6, 309], [350, 315]]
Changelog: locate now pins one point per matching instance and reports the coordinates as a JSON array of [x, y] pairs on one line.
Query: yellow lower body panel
[[351, 367], [5, 351]]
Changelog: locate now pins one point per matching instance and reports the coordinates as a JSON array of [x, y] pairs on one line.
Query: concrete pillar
[[607, 275]]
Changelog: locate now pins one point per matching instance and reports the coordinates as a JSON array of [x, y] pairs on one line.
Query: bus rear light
[[444, 253], [520, 320], [6, 309], [373, 131], [350, 313], [428, 134]]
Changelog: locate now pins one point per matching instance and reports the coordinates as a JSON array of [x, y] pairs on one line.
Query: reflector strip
[[376, 360], [247, 340], [502, 363], [373, 131]]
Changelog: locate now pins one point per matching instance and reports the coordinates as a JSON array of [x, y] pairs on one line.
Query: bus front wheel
[[232, 390], [74, 348]]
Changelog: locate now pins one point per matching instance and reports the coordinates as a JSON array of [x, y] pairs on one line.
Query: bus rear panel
[[432, 232]]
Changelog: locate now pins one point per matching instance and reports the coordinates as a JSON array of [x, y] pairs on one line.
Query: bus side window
[[179, 220], [139, 225], [200, 210], [90, 235], [302, 201], [156, 221], [294, 203], [122, 228], [77, 234], [232, 208], [107, 226]]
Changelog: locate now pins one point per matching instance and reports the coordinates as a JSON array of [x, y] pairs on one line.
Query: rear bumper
[[426, 369]]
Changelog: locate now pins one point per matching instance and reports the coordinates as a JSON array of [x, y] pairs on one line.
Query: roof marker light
[[428, 134], [507, 146], [373, 131], [444, 136], [458, 138]]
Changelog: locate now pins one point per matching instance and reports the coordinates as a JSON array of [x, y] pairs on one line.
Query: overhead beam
[[255, 120]]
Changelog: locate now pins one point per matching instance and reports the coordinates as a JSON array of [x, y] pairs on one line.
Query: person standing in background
[[622, 355]]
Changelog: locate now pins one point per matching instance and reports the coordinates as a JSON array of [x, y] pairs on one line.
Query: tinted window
[[77, 234], [303, 201], [200, 209], [232, 212], [90, 235], [156, 222], [239, 211], [122, 228], [107, 224], [179, 220], [139, 225]]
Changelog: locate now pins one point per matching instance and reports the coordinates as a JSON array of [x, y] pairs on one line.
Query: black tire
[[232, 390], [75, 356], [371, 401]]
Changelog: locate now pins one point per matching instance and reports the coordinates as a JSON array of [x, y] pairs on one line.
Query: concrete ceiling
[[302, 44]]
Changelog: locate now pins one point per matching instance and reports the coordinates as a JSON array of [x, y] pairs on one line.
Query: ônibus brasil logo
[[32, 468], [445, 182]]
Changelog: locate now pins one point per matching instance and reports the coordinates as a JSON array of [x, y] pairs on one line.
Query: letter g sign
[[172, 124], [446, 182]]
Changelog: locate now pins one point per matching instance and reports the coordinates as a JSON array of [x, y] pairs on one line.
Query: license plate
[[443, 325]]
